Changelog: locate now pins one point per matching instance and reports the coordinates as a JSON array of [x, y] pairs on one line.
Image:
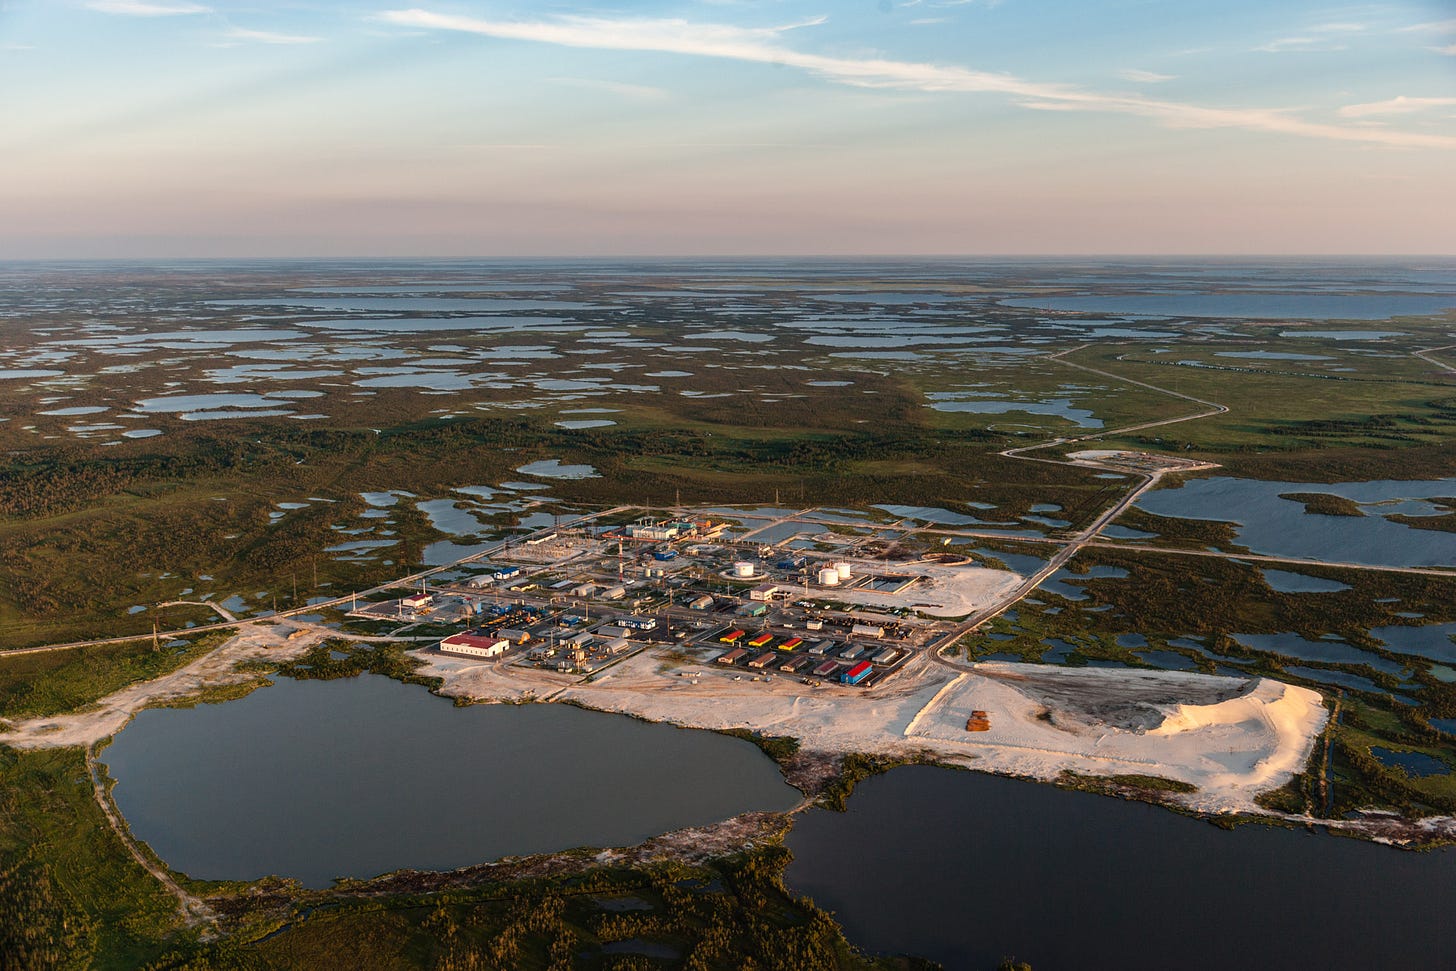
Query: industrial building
[[475, 645]]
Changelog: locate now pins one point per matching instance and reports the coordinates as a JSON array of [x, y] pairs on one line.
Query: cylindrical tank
[[743, 568], [842, 569], [829, 577]]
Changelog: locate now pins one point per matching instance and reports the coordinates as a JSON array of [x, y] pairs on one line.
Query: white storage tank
[[743, 568], [842, 569], [829, 577]]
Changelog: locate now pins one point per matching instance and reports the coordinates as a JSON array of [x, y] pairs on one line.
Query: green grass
[[53, 682], [730, 914], [71, 879]]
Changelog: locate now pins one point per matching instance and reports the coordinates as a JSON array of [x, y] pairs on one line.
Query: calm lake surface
[[1281, 527], [967, 869], [361, 776]]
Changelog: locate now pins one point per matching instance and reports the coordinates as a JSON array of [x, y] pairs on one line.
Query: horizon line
[[678, 258]]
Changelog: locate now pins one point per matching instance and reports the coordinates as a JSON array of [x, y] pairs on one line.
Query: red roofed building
[[475, 645]]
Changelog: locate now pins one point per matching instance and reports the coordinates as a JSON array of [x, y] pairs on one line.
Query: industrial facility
[[580, 600]]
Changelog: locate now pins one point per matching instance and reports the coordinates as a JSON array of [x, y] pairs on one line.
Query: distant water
[[968, 869], [357, 777], [1315, 306], [1280, 527]]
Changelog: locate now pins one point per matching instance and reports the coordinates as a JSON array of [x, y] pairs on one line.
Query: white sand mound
[[1288, 715], [1231, 738]]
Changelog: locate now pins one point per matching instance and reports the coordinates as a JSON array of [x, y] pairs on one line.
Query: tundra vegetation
[[808, 401]]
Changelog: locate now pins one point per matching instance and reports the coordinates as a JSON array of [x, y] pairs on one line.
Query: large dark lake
[[361, 776], [968, 869]]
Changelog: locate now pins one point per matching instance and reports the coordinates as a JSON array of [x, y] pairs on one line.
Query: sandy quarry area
[[110, 715], [1231, 738]]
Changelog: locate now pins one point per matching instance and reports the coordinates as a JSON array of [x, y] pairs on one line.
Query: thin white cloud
[[268, 37], [144, 8], [1449, 51], [764, 45], [1144, 77], [635, 92], [1400, 105], [1432, 27], [1299, 45]]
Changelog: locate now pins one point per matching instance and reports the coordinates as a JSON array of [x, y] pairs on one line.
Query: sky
[[173, 128]]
